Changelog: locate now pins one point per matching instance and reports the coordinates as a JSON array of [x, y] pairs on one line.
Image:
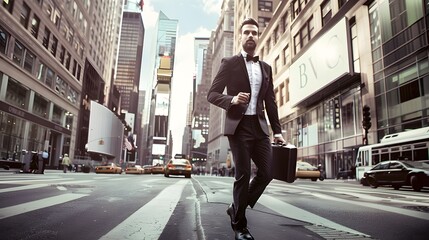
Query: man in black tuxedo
[[249, 95]]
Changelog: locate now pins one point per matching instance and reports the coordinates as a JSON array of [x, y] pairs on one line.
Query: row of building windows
[[24, 58], [49, 40], [24, 98]]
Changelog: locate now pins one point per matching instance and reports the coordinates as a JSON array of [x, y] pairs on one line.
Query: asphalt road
[[106, 206]]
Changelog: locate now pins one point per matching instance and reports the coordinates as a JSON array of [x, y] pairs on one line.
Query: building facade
[[330, 58], [200, 110], [45, 47], [158, 131]]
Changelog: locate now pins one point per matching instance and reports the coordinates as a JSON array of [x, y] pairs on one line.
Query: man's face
[[249, 37]]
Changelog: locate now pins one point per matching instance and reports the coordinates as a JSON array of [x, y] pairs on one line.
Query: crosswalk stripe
[[34, 180], [34, 186], [20, 188], [148, 222], [38, 204], [293, 212], [397, 210]]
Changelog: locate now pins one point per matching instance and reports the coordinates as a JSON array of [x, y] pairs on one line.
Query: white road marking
[[383, 207], [34, 186], [61, 188], [148, 222], [293, 212], [34, 180], [26, 187], [38, 204]]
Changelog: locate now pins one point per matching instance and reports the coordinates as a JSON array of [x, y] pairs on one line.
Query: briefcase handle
[[288, 145]]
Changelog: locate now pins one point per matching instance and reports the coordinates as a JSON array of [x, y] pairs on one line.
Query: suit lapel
[[242, 65]]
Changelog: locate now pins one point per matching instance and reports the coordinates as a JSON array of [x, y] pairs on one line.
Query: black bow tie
[[250, 58]]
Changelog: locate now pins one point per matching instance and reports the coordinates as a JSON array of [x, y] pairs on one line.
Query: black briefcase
[[284, 162]]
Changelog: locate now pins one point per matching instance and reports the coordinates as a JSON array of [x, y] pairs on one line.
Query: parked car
[[398, 173], [178, 167], [147, 169], [108, 168], [136, 169], [158, 169], [307, 171]]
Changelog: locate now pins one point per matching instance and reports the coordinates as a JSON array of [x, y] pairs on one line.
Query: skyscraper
[[164, 64], [130, 59]]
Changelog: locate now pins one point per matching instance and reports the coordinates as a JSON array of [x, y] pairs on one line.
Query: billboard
[[323, 63], [105, 133]]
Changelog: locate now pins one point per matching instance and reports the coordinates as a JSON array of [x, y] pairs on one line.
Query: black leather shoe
[[242, 234], [230, 211]]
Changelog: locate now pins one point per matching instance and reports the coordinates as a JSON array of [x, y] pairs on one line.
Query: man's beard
[[249, 46]]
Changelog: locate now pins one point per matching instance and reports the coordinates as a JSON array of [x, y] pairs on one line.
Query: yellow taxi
[[147, 169], [136, 169], [178, 167], [307, 171], [108, 168], [158, 169]]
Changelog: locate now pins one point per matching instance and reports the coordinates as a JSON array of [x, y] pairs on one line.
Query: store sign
[[323, 63]]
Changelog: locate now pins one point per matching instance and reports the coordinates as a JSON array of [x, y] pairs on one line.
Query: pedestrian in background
[[45, 157], [249, 95], [66, 162]]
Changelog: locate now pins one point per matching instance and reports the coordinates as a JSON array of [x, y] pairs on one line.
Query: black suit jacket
[[233, 76]]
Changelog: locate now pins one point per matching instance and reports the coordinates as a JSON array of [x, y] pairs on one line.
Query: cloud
[[150, 16], [212, 6]]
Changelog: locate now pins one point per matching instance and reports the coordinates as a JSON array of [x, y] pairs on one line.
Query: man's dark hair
[[249, 21]]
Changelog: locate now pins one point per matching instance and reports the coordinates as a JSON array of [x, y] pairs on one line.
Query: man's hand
[[241, 98], [279, 140]]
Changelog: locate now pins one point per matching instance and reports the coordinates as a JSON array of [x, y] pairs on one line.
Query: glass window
[[326, 12], [286, 52], [57, 115], [36, 136], [74, 67], [49, 81], [18, 53], [265, 6], [355, 48], [41, 106], [61, 86], [409, 91], [69, 120], [4, 39], [35, 26], [25, 15], [46, 38], [348, 115], [72, 95], [67, 63], [62, 54], [79, 68], [54, 46], [8, 5], [16, 94], [41, 72], [29, 61]]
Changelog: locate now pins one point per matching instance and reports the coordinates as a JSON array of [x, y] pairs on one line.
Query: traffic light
[[366, 122]]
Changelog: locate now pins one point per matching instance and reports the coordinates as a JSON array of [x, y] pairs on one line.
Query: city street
[[60, 205]]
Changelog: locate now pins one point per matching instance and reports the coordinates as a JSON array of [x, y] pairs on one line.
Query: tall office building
[[200, 111], [45, 49], [130, 59], [261, 11], [222, 42], [158, 147]]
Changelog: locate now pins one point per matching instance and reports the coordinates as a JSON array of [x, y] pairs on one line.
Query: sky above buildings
[[197, 18]]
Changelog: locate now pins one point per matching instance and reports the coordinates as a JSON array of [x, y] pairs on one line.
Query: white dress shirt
[[255, 78]]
